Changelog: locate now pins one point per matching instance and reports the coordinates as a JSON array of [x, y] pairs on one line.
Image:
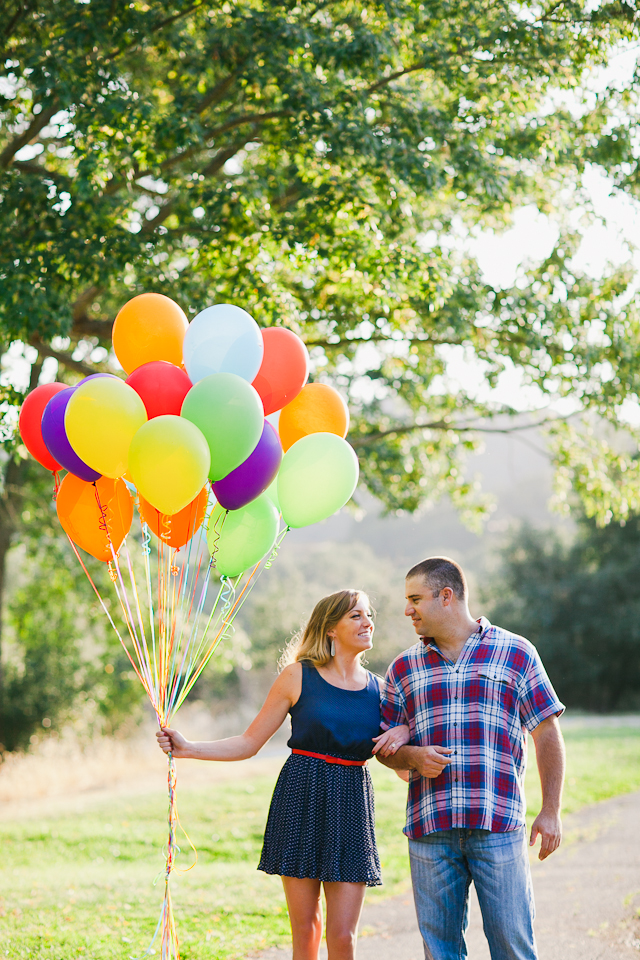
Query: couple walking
[[454, 711]]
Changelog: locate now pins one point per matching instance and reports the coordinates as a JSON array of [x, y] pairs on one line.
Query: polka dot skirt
[[321, 824]]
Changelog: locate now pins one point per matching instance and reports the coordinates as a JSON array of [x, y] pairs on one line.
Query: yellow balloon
[[101, 419], [169, 461]]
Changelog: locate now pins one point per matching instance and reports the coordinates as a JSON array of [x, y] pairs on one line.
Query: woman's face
[[355, 631]]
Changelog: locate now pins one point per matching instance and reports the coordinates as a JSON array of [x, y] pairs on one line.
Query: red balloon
[[284, 370], [30, 423], [161, 386]]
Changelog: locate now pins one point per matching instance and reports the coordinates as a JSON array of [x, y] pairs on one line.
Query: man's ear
[[447, 596]]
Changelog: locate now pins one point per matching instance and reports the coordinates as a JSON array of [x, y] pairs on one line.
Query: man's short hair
[[441, 572]]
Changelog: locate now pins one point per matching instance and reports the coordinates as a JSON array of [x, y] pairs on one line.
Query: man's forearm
[[427, 761], [400, 760], [550, 757]]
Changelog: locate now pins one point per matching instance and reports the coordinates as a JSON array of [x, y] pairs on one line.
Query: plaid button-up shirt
[[482, 707]]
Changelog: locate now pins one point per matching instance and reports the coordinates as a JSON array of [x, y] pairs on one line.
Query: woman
[[320, 830]]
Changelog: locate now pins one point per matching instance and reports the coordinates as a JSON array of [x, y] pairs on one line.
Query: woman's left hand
[[391, 740]]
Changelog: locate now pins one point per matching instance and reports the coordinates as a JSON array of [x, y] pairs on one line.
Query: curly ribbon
[[164, 526], [146, 539], [276, 547], [217, 532]]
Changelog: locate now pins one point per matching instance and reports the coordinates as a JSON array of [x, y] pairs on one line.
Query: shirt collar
[[483, 625]]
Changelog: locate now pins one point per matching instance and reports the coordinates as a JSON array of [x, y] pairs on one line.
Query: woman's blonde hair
[[312, 643]]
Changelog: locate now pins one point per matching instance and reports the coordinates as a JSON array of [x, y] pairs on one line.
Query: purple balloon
[[252, 477], [93, 376], [55, 437]]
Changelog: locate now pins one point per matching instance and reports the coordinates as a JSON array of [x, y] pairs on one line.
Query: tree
[[315, 162], [579, 603], [291, 156]]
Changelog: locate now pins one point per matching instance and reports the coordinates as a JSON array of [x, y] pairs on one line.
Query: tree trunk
[[10, 507]]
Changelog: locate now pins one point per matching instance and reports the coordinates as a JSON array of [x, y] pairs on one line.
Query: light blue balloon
[[223, 339]]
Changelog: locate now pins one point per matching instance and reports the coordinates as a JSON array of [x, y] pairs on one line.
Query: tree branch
[[79, 308], [62, 358], [448, 425], [221, 158], [395, 76], [216, 93], [34, 128], [27, 166], [383, 338]]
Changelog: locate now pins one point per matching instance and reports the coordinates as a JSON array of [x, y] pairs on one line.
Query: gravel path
[[587, 897]]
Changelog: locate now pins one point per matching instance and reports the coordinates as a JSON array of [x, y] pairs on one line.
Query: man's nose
[[408, 610]]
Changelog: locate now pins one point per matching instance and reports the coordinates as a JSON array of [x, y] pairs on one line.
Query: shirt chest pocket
[[496, 689]]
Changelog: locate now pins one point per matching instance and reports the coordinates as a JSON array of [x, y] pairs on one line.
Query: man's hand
[[427, 761], [549, 827], [430, 761]]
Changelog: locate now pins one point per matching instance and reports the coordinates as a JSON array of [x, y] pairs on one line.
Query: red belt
[[323, 756]]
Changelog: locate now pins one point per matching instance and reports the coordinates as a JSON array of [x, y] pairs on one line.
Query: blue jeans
[[443, 864]]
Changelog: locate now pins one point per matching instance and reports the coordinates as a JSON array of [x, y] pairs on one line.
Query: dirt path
[[587, 897]]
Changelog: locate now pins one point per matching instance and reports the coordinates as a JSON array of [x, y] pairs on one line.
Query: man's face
[[424, 609]]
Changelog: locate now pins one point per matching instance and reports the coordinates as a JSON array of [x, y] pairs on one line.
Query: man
[[470, 692]]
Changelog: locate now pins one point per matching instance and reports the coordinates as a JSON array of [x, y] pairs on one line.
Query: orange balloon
[[82, 519], [318, 408], [177, 529], [149, 327]]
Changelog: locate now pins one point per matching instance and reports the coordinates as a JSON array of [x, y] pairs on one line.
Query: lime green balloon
[[230, 414], [318, 475], [272, 493], [244, 537]]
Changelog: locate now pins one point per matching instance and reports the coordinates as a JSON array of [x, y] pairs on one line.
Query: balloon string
[[276, 547], [217, 532], [110, 618], [56, 485]]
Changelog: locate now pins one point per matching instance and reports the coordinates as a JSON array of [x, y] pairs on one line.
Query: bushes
[[578, 601], [61, 659]]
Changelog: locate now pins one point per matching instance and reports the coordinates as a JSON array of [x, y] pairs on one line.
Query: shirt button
[[455, 698], [455, 753], [455, 724], [456, 780]]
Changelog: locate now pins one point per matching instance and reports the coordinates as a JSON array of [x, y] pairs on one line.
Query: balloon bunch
[[186, 440]]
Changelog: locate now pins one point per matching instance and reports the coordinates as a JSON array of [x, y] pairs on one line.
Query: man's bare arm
[[550, 757], [427, 761]]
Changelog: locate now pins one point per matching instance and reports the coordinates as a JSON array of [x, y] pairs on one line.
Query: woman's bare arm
[[283, 695]]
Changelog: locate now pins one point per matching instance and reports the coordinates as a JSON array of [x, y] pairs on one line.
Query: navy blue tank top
[[333, 721]]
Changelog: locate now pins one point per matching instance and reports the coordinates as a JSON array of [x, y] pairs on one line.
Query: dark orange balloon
[[318, 408], [82, 519], [177, 529], [149, 327]]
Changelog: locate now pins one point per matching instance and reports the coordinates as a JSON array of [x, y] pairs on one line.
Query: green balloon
[[318, 474], [245, 536], [230, 414], [272, 493]]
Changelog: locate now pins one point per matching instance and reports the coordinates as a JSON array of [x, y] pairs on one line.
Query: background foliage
[[578, 601], [322, 164]]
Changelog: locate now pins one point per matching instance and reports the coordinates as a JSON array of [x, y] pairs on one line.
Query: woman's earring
[[333, 647]]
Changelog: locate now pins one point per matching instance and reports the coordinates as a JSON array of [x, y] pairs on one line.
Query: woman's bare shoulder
[[289, 683]]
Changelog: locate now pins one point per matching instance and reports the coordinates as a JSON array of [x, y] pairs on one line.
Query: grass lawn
[[82, 886]]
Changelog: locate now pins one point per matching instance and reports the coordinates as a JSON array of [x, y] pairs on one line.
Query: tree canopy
[[313, 161]]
